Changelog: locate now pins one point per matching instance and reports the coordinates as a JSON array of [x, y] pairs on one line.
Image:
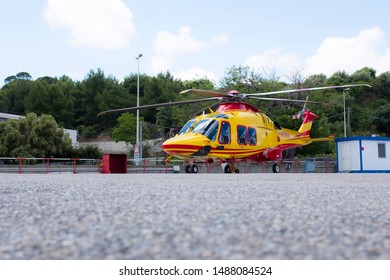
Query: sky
[[192, 38]]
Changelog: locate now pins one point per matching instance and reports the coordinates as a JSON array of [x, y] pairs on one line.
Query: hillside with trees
[[76, 104]]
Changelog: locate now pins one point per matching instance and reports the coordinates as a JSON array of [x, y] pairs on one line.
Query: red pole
[[144, 165], [47, 165], [20, 166], [74, 166]]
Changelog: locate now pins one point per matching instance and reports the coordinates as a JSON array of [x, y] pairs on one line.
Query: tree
[[34, 137], [241, 78], [126, 129], [23, 76], [20, 76], [95, 94], [381, 119], [169, 119], [54, 97], [160, 89], [317, 80], [15, 93], [9, 79], [364, 75], [338, 78], [202, 83]]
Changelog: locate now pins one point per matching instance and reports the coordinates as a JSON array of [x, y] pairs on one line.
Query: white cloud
[[368, 48], [195, 73], [105, 24], [168, 46], [350, 54], [274, 60]]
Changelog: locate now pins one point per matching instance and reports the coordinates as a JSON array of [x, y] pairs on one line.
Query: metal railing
[[49, 165], [305, 165], [157, 165]]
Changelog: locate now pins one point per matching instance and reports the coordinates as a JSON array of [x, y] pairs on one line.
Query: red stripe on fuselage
[[181, 146]]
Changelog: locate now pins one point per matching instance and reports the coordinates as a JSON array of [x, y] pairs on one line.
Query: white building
[[363, 154]]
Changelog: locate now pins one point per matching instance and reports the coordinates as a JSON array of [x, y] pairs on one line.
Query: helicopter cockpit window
[[208, 128], [186, 127], [252, 136], [241, 134], [224, 135]]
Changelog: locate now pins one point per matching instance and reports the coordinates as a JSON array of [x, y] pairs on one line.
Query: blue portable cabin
[[363, 154]]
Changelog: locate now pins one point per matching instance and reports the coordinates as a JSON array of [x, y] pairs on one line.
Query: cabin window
[[212, 130], [201, 126], [381, 150], [241, 135], [208, 128], [224, 135], [186, 127], [252, 136]]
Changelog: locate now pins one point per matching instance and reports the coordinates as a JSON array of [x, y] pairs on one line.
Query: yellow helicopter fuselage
[[236, 131]]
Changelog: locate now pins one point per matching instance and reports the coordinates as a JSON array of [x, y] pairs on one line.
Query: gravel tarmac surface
[[195, 216]]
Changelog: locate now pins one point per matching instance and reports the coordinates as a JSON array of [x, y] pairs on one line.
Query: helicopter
[[236, 131]]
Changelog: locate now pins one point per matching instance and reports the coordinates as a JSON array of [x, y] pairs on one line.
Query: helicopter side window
[[252, 136], [186, 127], [241, 134], [224, 134]]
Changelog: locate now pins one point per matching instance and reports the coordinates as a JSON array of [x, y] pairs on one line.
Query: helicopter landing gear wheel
[[192, 168], [231, 168], [275, 168]]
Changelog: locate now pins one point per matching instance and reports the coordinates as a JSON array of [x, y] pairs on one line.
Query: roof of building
[[6, 116], [369, 138]]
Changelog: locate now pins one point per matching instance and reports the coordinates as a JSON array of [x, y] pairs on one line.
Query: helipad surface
[[195, 216]]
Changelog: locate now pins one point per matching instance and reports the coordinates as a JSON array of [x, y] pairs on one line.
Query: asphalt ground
[[195, 216]]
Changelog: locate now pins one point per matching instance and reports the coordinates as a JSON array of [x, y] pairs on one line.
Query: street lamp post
[[137, 136], [345, 121]]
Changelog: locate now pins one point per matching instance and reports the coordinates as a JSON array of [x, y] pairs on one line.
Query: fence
[[157, 165], [306, 165], [49, 165]]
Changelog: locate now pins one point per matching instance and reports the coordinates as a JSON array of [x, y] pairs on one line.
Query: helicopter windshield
[[208, 128], [186, 127]]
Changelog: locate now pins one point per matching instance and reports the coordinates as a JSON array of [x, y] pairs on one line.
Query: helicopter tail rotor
[[301, 113]]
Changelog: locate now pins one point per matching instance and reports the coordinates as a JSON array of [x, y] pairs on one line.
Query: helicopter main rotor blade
[[206, 93], [304, 89], [282, 99], [157, 105]]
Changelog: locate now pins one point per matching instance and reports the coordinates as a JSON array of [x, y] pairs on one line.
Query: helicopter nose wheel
[[275, 168], [192, 168]]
